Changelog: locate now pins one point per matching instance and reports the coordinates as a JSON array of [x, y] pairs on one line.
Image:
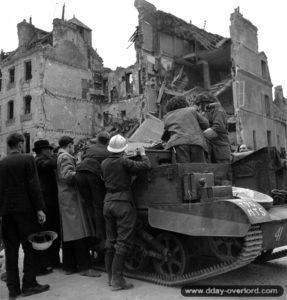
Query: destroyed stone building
[[55, 83], [47, 82], [177, 58]]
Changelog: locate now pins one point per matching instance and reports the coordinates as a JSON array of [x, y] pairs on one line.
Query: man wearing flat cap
[[46, 165]]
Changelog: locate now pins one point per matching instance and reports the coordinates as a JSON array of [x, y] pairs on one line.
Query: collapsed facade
[[178, 58], [46, 84], [55, 83]]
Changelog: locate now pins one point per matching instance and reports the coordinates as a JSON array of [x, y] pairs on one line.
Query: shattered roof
[[79, 23], [172, 24]]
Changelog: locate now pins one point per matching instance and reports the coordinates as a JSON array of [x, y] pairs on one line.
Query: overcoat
[[76, 223], [20, 190], [220, 146], [91, 186]]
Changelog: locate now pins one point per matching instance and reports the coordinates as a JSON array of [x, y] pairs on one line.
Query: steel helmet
[[117, 144]]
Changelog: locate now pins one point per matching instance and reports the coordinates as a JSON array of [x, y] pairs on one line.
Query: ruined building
[[47, 83], [177, 58], [54, 83]]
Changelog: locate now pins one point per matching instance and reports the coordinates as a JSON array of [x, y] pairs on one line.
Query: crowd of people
[[88, 202]]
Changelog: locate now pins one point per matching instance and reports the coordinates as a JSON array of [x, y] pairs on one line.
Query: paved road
[[75, 287]]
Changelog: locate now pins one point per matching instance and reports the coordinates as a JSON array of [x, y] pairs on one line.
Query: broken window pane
[[28, 70]]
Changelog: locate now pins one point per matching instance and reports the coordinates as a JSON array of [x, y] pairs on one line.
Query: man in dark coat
[[217, 133], [119, 209], [21, 206], [90, 184], [183, 127], [47, 165], [76, 224]]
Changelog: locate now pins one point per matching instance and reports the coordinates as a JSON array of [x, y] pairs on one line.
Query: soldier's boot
[[118, 280], [109, 255]]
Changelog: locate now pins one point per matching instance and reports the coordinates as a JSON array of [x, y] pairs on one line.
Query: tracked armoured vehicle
[[193, 224]]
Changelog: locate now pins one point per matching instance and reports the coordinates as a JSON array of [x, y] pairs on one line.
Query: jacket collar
[[62, 151], [14, 151]]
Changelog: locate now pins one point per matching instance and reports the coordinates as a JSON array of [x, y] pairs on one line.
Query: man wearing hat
[[46, 166]]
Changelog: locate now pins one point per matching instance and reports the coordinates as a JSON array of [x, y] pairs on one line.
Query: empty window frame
[[27, 104], [0, 80], [267, 105], [264, 69], [123, 114], [10, 110], [28, 70], [268, 138], [12, 75]]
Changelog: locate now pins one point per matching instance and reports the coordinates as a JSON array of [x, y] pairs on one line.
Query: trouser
[[16, 228], [51, 256], [189, 154], [76, 255], [120, 219], [92, 189]]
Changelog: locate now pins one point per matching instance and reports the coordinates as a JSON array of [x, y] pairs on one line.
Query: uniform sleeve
[[67, 169], [34, 187], [133, 167], [219, 122], [202, 121]]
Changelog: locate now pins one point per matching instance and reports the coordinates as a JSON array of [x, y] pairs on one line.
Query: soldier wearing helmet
[[119, 209], [216, 134]]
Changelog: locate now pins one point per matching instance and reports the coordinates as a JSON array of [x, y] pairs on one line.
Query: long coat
[[91, 186], [20, 190], [75, 221], [220, 146]]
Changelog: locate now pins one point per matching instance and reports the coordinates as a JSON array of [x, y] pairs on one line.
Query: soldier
[[119, 209], [183, 127], [216, 134]]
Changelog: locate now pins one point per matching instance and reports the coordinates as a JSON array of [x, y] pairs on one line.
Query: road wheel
[[175, 258], [225, 248]]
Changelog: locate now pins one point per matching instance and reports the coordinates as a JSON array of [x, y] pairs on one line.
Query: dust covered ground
[[76, 287]]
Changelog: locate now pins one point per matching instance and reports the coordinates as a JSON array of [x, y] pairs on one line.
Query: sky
[[114, 21]]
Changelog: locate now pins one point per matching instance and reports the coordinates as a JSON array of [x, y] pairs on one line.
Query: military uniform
[[119, 209], [220, 145]]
